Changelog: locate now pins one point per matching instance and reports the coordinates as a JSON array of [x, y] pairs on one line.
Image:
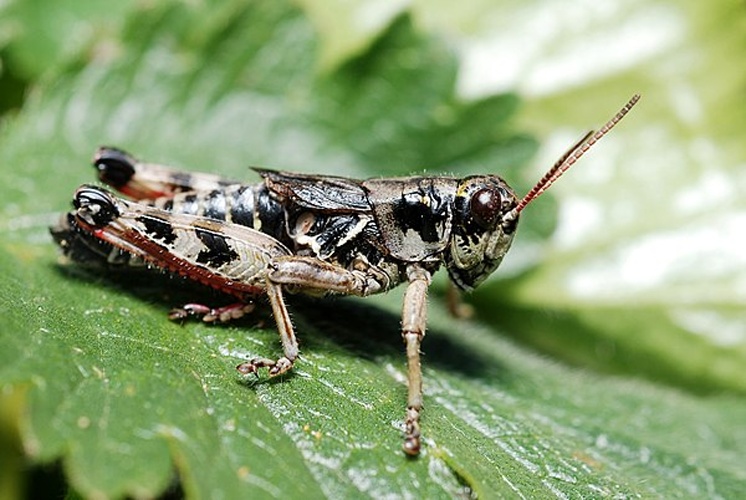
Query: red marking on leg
[[160, 256]]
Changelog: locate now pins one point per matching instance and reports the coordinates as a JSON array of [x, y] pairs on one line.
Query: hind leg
[[209, 314], [148, 181]]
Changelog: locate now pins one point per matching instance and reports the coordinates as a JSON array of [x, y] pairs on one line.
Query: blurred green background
[[607, 357]]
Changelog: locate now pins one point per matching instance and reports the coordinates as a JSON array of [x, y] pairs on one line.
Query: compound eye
[[486, 207]]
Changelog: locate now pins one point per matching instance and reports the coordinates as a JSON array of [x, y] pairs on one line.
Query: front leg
[[414, 322], [456, 306]]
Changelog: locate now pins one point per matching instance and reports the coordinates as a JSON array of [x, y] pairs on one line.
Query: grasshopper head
[[486, 213], [483, 229]]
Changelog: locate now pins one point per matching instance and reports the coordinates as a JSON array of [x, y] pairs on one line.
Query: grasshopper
[[314, 234]]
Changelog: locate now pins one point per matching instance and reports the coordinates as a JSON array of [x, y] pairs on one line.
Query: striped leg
[[148, 181], [414, 319]]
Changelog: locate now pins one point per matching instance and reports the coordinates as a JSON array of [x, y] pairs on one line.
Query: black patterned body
[[376, 226]]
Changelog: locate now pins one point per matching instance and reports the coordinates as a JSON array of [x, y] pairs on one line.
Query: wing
[[323, 193]]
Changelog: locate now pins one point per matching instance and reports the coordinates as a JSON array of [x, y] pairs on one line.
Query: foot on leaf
[[212, 314], [278, 367]]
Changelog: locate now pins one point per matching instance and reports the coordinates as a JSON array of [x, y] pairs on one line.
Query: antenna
[[569, 158]]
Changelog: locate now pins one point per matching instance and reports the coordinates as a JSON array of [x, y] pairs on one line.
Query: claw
[[212, 315], [412, 433], [282, 365]]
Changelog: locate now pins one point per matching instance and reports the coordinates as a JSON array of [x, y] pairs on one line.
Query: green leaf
[[94, 376], [42, 37]]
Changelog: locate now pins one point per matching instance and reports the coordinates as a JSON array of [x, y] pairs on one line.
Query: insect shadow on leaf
[[364, 329], [358, 327]]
